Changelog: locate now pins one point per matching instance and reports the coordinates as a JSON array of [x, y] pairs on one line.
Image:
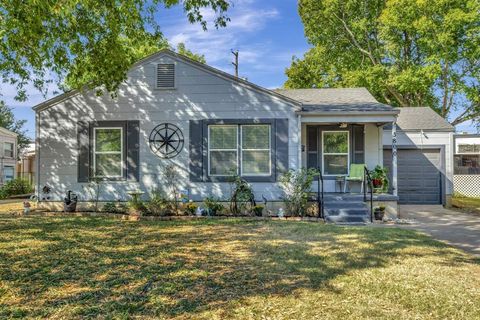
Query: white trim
[[265, 149], [107, 152], [209, 149], [336, 154]]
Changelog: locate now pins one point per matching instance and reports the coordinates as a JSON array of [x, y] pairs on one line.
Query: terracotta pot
[[379, 214]]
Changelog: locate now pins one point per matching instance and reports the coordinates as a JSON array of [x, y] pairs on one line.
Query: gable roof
[[421, 118], [46, 104], [336, 100], [8, 132]]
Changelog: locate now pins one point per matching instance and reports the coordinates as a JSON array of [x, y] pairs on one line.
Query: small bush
[[14, 187], [258, 210], [110, 207], [190, 208], [158, 204], [296, 186], [213, 205]]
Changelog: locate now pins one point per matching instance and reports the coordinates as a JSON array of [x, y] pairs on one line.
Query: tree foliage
[[8, 121], [87, 43], [406, 52]]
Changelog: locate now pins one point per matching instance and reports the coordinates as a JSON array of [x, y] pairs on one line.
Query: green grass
[[467, 204], [70, 267]]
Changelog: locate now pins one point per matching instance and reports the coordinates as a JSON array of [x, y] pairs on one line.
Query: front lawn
[[467, 204], [71, 267]]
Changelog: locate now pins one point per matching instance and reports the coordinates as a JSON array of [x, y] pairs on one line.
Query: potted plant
[[212, 205], [379, 212], [258, 210], [380, 179]]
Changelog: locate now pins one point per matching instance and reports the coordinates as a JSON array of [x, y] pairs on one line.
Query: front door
[[332, 148]]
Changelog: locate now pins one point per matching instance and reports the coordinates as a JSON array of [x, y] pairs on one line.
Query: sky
[[267, 34]]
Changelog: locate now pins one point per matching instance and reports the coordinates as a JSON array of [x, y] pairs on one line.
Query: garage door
[[419, 175]]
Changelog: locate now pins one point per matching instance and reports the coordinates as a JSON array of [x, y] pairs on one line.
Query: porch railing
[[368, 182], [320, 204]]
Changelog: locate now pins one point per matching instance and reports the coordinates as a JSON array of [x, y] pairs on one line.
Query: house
[[26, 166], [425, 156], [466, 170], [8, 155], [210, 124]]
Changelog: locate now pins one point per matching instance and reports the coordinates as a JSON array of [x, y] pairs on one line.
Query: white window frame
[[4, 177], [95, 152], [5, 149], [269, 151], [210, 149], [335, 154]]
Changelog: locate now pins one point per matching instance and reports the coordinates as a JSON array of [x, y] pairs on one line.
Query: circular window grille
[[166, 140]]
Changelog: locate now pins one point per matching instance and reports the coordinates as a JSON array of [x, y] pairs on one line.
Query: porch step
[[343, 211]]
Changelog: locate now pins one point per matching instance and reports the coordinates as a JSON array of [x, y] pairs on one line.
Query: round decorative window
[[166, 140]]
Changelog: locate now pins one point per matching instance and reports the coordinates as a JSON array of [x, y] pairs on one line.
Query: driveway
[[458, 229]]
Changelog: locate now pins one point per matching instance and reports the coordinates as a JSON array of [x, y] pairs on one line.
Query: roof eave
[[393, 112]]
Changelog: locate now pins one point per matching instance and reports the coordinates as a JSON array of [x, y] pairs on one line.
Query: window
[[255, 150], [335, 151], [469, 148], [223, 152], [468, 164], [8, 173], [165, 76], [108, 152], [8, 149], [250, 157]]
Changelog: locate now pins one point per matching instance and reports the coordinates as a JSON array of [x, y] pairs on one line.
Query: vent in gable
[[165, 76]]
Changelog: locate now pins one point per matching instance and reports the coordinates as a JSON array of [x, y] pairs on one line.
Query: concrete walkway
[[458, 229]]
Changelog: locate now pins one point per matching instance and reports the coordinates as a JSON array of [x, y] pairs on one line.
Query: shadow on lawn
[[100, 267]]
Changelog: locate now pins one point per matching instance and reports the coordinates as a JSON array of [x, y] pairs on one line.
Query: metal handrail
[[367, 180], [320, 204]]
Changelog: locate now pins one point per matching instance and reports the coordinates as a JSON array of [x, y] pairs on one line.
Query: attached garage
[[419, 175], [424, 156]]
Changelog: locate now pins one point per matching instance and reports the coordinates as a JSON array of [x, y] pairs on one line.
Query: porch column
[[394, 158]]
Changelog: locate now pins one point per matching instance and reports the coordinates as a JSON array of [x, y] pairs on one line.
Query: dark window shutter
[[196, 151], [358, 140], [312, 147], [83, 157], [133, 150], [281, 146], [165, 76]]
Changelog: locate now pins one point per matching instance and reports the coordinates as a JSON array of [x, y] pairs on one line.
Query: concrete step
[[346, 212], [343, 205], [347, 219]]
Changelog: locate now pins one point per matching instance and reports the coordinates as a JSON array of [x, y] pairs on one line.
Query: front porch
[[332, 144]]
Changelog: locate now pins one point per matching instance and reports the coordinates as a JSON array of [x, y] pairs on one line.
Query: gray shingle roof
[[421, 118], [335, 99]]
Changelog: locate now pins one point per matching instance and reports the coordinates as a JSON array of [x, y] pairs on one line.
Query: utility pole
[[235, 64]]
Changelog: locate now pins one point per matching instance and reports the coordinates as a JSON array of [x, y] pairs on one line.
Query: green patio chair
[[356, 175]]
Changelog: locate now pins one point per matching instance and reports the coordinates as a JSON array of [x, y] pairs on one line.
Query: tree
[[194, 56], [8, 121], [86, 43], [406, 52]]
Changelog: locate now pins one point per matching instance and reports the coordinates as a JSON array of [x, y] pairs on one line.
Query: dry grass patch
[[81, 267]]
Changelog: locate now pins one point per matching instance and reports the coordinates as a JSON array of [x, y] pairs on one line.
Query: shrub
[[110, 207], [190, 208], [242, 197], [213, 205], [171, 178], [296, 185], [258, 210], [14, 187], [159, 205]]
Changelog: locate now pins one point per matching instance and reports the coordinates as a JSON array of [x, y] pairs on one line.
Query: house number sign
[[166, 140]]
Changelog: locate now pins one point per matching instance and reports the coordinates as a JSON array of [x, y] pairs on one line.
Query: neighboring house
[[26, 165], [8, 155], [210, 124], [466, 174], [424, 146]]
